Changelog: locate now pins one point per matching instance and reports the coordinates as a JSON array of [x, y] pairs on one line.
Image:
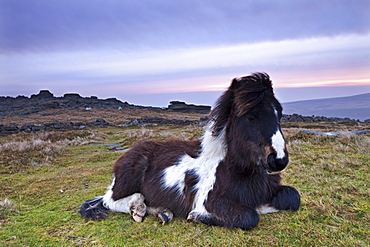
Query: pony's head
[[248, 114]]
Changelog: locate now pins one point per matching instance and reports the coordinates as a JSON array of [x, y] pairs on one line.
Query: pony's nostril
[[276, 164], [282, 162], [271, 158]]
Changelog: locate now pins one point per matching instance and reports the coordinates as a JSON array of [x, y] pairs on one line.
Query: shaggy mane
[[242, 96]]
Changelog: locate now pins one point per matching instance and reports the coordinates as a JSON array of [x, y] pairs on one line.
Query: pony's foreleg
[[164, 215], [287, 198], [228, 214]]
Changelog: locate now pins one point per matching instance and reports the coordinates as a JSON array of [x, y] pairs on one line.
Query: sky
[[152, 51]]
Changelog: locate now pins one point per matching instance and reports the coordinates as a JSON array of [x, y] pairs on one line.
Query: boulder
[[43, 94], [179, 106], [71, 96]]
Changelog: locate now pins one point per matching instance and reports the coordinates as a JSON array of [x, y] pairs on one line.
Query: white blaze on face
[[277, 140], [278, 144]]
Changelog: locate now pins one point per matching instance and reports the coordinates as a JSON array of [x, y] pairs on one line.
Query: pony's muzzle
[[276, 164]]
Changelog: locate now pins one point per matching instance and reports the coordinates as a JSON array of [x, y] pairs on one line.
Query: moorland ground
[[46, 176]]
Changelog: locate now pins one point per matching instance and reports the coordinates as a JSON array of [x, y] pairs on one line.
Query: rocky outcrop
[[24, 106], [44, 94], [178, 106]]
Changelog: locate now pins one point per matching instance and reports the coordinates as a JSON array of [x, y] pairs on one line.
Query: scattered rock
[[11, 128], [145, 121], [114, 147], [99, 123], [57, 125], [356, 132], [311, 119]]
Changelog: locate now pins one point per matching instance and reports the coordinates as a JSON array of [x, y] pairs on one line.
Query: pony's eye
[[251, 119]]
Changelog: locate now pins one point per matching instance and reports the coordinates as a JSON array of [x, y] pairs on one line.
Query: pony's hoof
[[194, 217], [137, 207], [190, 217], [197, 217], [165, 216], [137, 218]]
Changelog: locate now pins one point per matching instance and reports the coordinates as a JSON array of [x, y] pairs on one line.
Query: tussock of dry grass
[[5, 203], [32, 150], [7, 208]]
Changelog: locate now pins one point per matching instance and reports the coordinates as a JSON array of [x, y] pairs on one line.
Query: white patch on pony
[[174, 176], [212, 146], [125, 204], [266, 209], [278, 144], [204, 166]]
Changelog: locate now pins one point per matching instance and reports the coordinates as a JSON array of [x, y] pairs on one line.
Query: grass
[[27, 150], [39, 201]]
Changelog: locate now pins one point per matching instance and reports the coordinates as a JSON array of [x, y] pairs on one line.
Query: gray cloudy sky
[[149, 49]]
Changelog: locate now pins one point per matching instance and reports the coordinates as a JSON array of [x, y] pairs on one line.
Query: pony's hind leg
[[133, 205], [164, 215], [94, 209]]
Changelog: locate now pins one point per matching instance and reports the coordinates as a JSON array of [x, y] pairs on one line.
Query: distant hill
[[354, 107]]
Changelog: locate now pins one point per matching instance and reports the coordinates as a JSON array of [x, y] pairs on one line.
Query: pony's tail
[[94, 209]]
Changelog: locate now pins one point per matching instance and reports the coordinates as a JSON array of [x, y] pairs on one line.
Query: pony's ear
[[235, 84]]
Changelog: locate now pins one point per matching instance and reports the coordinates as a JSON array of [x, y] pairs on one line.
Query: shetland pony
[[226, 179]]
